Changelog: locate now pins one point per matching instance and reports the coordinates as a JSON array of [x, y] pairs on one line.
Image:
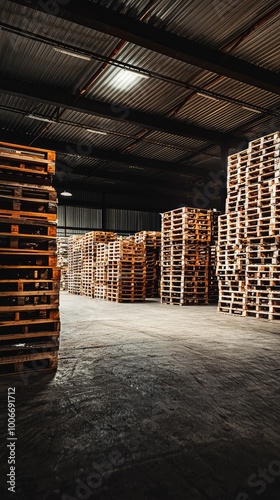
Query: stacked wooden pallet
[[82, 252], [88, 262], [249, 241], [29, 276], [126, 272], [213, 280], [62, 261], [213, 291], [100, 286], [75, 264], [186, 238], [89, 253], [152, 246]]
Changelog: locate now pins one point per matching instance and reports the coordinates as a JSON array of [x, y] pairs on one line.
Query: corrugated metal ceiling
[[212, 23], [215, 23]]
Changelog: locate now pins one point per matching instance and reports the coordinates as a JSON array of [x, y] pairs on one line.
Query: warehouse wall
[[75, 220], [132, 220]]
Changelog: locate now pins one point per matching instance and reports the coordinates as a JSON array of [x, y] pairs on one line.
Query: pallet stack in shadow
[[213, 292], [29, 276], [152, 245]]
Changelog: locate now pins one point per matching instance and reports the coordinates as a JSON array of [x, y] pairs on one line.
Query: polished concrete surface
[[150, 402]]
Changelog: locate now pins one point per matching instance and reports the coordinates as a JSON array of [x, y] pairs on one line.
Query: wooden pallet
[[27, 201], [19, 243], [17, 213], [11, 286], [12, 300], [185, 301], [26, 227], [10, 346], [126, 250], [27, 258], [19, 313], [29, 328], [36, 361], [122, 297], [101, 236], [27, 160], [29, 272]]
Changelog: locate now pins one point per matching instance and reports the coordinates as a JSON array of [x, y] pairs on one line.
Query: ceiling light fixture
[[125, 79], [208, 96], [138, 73], [73, 54], [253, 110], [40, 118], [96, 131], [66, 193]]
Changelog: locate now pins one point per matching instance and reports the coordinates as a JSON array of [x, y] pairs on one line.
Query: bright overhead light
[[66, 193], [125, 78], [207, 96], [40, 118], [96, 131], [138, 73], [252, 109], [73, 54]]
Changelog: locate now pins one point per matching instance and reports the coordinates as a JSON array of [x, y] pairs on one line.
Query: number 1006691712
[[11, 481]]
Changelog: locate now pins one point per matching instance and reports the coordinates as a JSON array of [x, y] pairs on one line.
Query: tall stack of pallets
[[213, 279], [126, 272], [100, 286], [62, 261], [186, 238], [75, 264], [82, 252], [89, 252], [29, 276], [249, 233], [152, 246], [88, 262]]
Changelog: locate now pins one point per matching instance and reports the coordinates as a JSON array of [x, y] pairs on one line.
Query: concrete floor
[[150, 402]]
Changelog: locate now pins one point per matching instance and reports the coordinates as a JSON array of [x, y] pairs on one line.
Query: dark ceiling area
[[142, 100]]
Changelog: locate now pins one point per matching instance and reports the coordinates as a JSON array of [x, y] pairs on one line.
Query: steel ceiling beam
[[84, 150], [144, 35], [113, 111]]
